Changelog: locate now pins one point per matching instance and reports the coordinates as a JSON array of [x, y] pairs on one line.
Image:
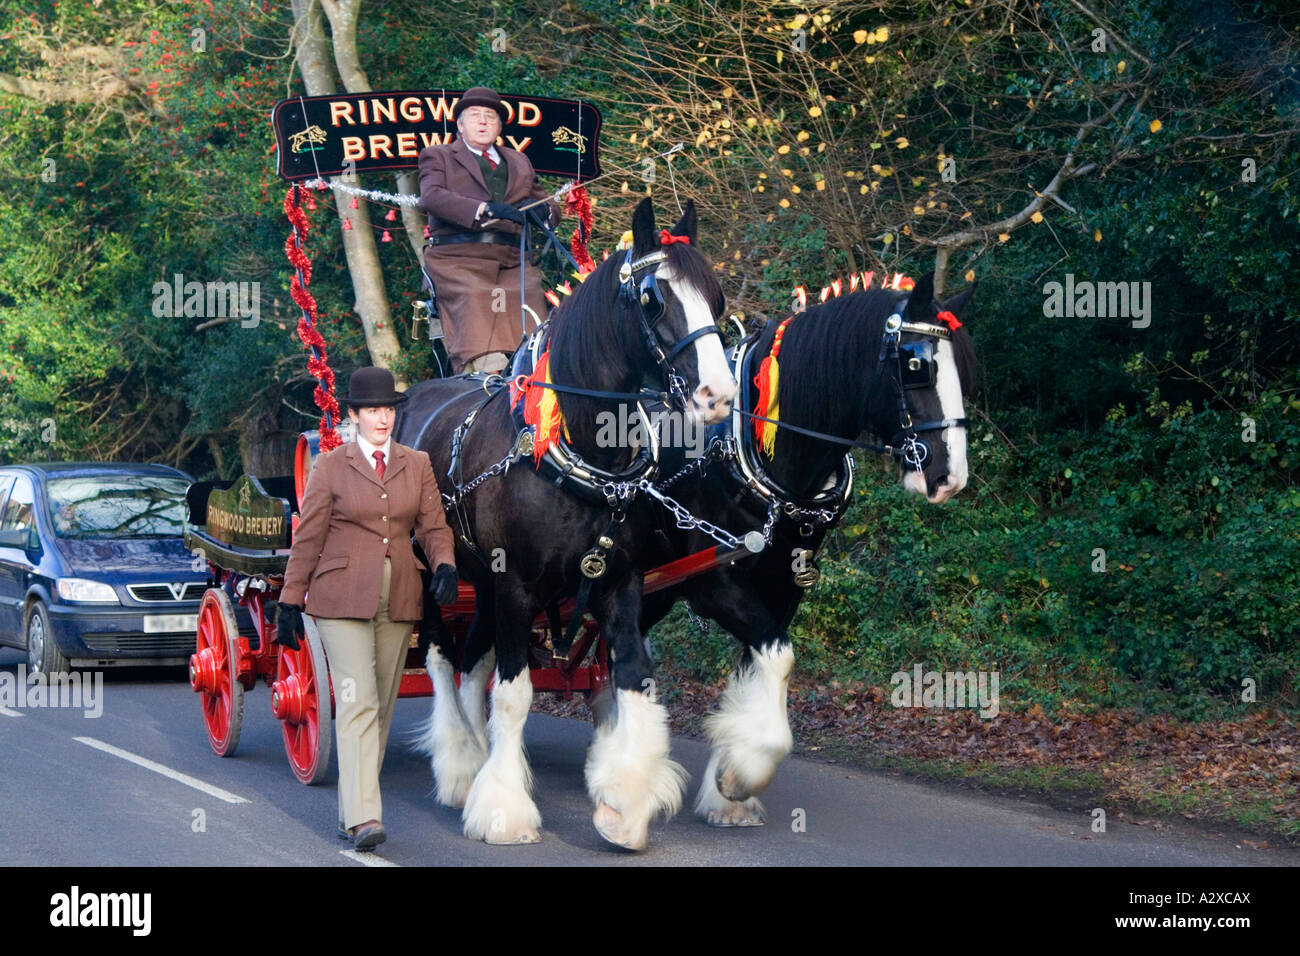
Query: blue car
[[93, 566]]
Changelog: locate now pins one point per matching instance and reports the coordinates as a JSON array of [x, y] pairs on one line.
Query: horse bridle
[[648, 303], [920, 373]]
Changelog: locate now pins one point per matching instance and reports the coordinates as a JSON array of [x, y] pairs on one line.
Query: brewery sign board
[[357, 132]]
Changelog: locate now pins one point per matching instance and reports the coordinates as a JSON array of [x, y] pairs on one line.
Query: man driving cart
[[471, 190]]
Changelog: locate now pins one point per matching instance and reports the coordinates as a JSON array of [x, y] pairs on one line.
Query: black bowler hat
[[480, 96], [371, 386]]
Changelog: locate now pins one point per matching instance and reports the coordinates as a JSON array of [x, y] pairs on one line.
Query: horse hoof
[[745, 814], [730, 787], [610, 824], [524, 837]]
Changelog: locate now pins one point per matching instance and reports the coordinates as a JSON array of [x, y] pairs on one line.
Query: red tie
[[378, 456], [491, 165]]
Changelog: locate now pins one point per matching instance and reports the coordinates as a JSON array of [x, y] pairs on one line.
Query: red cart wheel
[[212, 672], [302, 700]]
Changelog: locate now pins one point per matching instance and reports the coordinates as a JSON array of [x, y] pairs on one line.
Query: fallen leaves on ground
[[1194, 767]]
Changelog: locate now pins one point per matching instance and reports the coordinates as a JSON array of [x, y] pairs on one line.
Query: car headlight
[[78, 589]]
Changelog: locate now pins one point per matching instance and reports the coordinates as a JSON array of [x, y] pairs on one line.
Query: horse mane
[[828, 360]]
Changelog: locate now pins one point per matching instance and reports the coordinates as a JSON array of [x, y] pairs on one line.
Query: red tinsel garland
[[578, 204], [317, 361]]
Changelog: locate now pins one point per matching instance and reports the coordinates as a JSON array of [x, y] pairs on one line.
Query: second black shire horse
[[838, 376], [521, 538]]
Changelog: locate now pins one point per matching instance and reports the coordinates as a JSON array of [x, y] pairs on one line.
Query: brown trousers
[[477, 289]]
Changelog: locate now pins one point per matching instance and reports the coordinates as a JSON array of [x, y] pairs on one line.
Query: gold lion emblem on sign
[[564, 136], [312, 134]]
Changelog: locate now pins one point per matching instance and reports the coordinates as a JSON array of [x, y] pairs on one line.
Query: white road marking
[[367, 859], [6, 712], [176, 775]]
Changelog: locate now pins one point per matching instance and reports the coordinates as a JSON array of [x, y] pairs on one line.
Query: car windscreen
[[117, 506]]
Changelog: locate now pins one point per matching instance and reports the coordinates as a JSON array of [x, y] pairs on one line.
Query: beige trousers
[[366, 660]]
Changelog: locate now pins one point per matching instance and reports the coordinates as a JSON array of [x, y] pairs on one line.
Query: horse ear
[[687, 224], [957, 304], [645, 237], [918, 305]]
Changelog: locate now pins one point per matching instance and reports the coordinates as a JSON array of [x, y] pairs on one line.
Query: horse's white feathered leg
[[456, 752], [750, 731], [473, 694], [629, 773], [498, 808]]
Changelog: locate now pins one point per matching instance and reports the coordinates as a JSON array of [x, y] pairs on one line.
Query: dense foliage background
[[134, 145]]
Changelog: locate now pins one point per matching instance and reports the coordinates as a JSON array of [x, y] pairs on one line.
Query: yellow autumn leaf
[[802, 135], [918, 210], [797, 22], [1037, 217], [1096, 235], [1155, 126], [821, 185], [970, 275], [1120, 66], [869, 59], [863, 189], [795, 189], [859, 36], [815, 111], [882, 34], [901, 142], [1003, 236], [782, 149], [784, 204]]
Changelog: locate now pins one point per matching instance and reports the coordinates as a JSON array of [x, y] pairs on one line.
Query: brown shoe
[[366, 836]]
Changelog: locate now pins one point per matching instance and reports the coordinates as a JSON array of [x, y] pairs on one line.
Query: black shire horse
[[836, 377], [521, 538]]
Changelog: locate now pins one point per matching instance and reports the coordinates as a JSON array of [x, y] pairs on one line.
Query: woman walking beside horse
[[353, 564]]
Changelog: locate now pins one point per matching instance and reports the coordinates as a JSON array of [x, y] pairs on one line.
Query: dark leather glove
[[288, 625], [443, 585], [503, 210]]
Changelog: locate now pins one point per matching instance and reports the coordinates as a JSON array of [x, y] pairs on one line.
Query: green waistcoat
[[497, 179]]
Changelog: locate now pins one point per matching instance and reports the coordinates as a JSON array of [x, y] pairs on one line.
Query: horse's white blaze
[[711, 402], [948, 385], [750, 731], [473, 694], [629, 770], [456, 751], [498, 808]]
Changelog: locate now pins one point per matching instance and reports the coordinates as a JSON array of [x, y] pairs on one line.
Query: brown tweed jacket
[[349, 519]]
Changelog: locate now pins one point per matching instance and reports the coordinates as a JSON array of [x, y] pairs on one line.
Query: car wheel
[[43, 654]]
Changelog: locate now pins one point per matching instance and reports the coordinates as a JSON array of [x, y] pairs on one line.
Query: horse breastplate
[[560, 463]]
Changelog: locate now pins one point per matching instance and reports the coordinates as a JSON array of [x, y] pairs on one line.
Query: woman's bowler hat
[[371, 386], [480, 96]]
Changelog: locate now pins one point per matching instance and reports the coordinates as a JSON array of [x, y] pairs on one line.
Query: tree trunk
[[359, 241]]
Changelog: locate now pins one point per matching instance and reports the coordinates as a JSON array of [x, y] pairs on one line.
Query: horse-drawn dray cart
[[243, 530]]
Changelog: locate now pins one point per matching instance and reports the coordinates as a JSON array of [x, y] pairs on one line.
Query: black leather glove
[[503, 210], [288, 625], [443, 585]]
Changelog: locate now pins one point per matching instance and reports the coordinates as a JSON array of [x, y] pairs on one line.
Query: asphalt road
[[67, 799]]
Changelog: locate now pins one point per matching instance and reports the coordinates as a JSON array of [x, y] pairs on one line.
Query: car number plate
[[170, 623]]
